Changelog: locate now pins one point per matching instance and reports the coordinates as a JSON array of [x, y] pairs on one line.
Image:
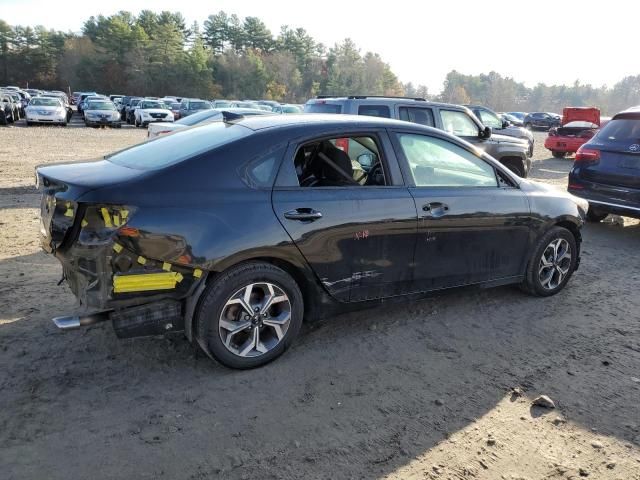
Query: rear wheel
[[552, 263], [558, 154], [595, 216], [250, 315]]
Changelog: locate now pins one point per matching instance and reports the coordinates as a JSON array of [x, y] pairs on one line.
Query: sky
[[553, 42]]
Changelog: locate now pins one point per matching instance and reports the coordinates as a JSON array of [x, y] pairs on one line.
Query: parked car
[[18, 110], [235, 231], [456, 119], [541, 120], [519, 115], [81, 99], [200, 118], [606, 169], [10, 104], [149, 111], [578, 125], [175, 109], [189, 106], [101, 113], [63, 98], [131, 108], [6, 109], [244, 104], [91, 98], [489, 118], [511, 119], [286, 109], [221, 104], [46, 110]]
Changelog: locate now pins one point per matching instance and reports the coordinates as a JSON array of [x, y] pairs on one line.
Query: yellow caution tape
[[117, 247], [142, 260], [197, 273], [166, 267], [145, 282], [106, 217], [84, 223]]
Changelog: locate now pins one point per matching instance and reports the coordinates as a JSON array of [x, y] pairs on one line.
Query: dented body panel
[[129, 236]]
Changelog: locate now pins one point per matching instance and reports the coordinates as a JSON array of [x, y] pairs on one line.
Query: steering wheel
[[374, 173]]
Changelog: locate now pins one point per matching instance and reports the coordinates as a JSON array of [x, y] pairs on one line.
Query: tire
[[560, 267], [135, 122], [29, 124], [557, 154], [515, 166], [218, 301], [595, 216]]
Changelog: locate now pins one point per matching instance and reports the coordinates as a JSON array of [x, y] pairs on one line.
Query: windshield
[[46, 102], [175, 106], [291, 109], [221, 103], [199, 117], [171, 149], [322, 108], [134, 102], [101, 106], [622, 129], [154, 104], [199, 106]]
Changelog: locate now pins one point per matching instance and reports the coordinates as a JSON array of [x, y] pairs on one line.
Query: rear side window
[[622, 129], [374, 111], [322, 108], [171, 149], [421, 116]]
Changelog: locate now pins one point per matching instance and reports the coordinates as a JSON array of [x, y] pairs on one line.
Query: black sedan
[[542, 120], [237, 230], [606, 169]]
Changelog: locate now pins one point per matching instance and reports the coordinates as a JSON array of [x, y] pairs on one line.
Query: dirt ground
[[415, 391]]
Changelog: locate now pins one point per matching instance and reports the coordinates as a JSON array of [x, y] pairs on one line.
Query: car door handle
[[435, 209], [303, 214]]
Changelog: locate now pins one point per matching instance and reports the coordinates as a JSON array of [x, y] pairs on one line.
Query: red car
[[579, 124]]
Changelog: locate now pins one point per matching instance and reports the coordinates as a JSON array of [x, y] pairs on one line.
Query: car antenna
[[228, 117]]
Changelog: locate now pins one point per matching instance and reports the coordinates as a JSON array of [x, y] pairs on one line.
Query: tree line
[[229, 57]]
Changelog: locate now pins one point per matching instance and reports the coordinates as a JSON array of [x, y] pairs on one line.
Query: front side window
[[322, 107], [490, 119], [435, 162], [374, 111], [340, 162], [421, 116], [458, 123]]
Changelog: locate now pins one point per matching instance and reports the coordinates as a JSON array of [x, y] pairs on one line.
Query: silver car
[[46, 110], [101, 113]]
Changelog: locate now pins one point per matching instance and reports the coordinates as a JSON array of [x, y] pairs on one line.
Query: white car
[[150, 111], [46, 110], [202, 117]]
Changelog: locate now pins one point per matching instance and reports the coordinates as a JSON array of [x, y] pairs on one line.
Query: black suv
[[542, 120], [455, 119]]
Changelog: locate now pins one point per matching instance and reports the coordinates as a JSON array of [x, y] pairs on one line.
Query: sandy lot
[[422, 390]]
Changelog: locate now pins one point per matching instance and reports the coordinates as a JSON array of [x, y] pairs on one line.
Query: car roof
[[261, 122], [381, 100]]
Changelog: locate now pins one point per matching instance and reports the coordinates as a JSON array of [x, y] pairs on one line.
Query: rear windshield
[[322, 108], [622, 129], [46, 101], [199, 105], [171, 149], [199, 117]]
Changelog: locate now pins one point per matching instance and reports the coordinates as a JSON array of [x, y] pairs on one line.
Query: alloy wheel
[[255, 319], [555, 263]]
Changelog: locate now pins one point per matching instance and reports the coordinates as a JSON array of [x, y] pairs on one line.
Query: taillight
[[587, 155]]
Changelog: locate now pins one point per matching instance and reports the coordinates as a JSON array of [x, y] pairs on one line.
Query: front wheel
[[515, 166], [528, 126], [557, 154], [250, 315], [552, 263]]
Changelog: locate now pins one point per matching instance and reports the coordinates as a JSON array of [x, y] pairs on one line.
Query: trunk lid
[[581, 114]]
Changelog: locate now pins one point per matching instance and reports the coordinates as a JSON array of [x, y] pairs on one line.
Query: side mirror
[[366, 160], [486, 133], [505, 123]]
